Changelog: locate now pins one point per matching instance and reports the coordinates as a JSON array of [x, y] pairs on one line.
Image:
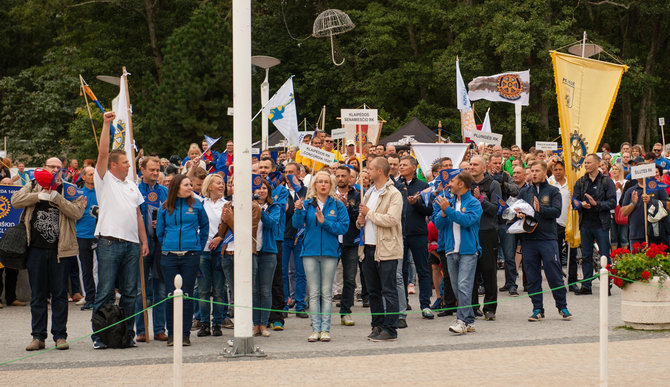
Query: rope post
[[604, 292], [177, 332]]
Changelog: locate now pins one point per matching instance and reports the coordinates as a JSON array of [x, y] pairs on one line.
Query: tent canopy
[[413, 131]]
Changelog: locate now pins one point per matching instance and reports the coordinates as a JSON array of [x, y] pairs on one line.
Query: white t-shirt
[[118, 201], [456, 229], [259, 232], [370, 233], [213, 210], [565, 200]]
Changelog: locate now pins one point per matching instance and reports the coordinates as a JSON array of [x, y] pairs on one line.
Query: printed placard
[[316, 154], [661, 121], [255, 151], [358, 116], [337, 134], [488, 138], [9, 215], [546, 145], [644, 170]]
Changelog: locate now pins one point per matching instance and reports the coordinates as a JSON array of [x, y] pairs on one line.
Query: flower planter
[[646, 306]]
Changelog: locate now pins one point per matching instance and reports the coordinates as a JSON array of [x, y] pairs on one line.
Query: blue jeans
[[211, 283], [117, 261], [507, 244], [288, 249], [349, 257], [155, 290], [320, 272], [187, 266], [602, 237], [539, 254], [264, 265], [418, 245], [228, 266], [48, 279], [462, 275], [619, 234], [380, 279]]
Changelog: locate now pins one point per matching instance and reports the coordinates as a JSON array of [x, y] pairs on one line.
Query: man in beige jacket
[[380, 217], [52, 245]]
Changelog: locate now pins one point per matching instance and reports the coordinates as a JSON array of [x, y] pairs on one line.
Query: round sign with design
[[71, 190], [5, 206], [152, 196], [510, 86], [578, 150]]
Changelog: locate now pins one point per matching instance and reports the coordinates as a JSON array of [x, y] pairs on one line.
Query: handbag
[[14, 247], [618, 218]]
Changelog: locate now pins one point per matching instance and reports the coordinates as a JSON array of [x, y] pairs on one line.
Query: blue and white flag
[[229, 237], [462, 100], [211, 141], [486, 126], [654, 185], [295, 182], [502, 205], [123, 133], [256, 181], [71, 192], [446, 175], [359, 239], [281, 111]]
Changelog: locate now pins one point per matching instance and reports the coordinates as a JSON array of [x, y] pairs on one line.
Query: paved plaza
[[507, 351]]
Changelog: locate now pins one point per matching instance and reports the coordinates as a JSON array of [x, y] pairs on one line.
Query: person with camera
[[52, 245]]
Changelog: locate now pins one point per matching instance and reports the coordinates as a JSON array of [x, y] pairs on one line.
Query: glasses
[[329, 140], [657, 150]]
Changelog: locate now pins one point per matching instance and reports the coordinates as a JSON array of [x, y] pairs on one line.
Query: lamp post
[[264, 62]]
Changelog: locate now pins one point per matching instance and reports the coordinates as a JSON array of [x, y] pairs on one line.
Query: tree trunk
[[415, 48], [626, 118], [648, 69], [151, 25]]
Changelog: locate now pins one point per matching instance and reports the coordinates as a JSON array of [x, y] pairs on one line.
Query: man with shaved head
[[52, 245]]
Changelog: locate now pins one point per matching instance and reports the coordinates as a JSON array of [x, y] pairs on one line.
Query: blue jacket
[[280, 197], [468, 218], [321, 238], [270, 218], [161, 196], [221, 161], [550, 201], [86, 224], [185, 229]]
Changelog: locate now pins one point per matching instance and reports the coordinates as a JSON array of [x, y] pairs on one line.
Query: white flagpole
[[517, 121]]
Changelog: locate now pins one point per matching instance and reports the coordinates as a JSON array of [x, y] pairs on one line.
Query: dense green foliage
[[400, 58]]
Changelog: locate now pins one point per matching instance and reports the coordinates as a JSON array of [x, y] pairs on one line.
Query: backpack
[[116, 336]]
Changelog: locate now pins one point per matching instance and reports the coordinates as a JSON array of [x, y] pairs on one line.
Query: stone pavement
[[508, 350]]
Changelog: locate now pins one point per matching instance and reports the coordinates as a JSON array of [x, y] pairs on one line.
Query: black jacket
[[352, 204], [490, 189], [605, 197], [415, 222], [550, 209], [289, 230], [403, 191], [507, 184]]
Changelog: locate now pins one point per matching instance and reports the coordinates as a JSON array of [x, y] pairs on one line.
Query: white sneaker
[[325, 336], [459, 327], [346, 320], [80, 302], [314, 337], [470, 327]]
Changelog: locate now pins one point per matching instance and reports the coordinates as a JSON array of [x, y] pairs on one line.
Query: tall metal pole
[[583, 43], [265, 97], [604, 288], [243, 344], [178, 310], [517, 121]]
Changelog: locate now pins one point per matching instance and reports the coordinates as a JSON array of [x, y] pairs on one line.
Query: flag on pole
[[486, 126], [586, 90], [505, 87], [89, 92], [502, 205], [71, 192], [122, 135], [281, 111], [428, 154], [368, 133], [446, 175], [211, 141], [463, 104], [654, 185]]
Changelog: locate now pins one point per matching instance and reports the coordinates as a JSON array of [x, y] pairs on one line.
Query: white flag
[[282, 113], [121, 126], [462, 101], [506, 87], [428, 154], [486, 126]]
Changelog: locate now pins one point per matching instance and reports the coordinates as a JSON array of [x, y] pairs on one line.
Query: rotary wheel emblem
[[578, 149], [5, 206], [510, 87]]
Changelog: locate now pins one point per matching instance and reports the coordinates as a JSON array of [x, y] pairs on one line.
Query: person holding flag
[[209, 155], [634, 209], [86, 236]]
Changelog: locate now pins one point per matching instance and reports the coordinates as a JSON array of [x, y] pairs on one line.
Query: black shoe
[[409, 307], [301, 314], [366, 303], [514, 292], [481, 291], [444, 313], [195, 325], [291, 304], [573, 288], [384, 336], [216, 330], [503, 289], [170, 341], [339, 304], [204, 331], [186, 341], [284, 315], [402, 323], [375, 332], [490, 316], [583, 291], [501, 265], [478, 312], [337, 297], [87, 307]]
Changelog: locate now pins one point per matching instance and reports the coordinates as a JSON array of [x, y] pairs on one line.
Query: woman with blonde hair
[[324, 218], [619, 231]]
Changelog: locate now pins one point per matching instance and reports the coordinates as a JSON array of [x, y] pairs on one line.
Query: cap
[[350, 142], [638, 160]]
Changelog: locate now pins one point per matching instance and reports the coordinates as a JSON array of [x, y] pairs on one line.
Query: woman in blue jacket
[[324, 219], [182, 228], [265, 260]]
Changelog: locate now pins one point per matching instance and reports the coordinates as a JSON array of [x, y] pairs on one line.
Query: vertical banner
[[9, 216], [586, 90], [363, 121]]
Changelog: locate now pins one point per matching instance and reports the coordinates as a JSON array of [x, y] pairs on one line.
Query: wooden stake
[[644, 192]]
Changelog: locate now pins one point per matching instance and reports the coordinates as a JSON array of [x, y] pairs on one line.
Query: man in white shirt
[[559, 181], [120, 229]]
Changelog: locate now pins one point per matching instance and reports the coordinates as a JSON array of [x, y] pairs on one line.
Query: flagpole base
[[243, 347]]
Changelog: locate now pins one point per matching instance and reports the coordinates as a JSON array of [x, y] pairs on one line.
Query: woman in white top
[[619, 232]]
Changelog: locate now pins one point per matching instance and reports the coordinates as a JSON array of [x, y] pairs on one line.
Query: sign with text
[[488, 138], [661, 121], [316, 154], [644, 170], [546, 145], [255, 151], [358, 116], [9, 216], [337, 134]]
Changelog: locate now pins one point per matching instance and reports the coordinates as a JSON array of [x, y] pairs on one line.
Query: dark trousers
[[73, 277], [11, 275], [361, 277], [418, 245], [449, 298], [380, 278], [86, 260], [589, 234], [564, 256], [538, 254], [487, 270], [48, 278], [349, 259], [187, 266], [278, 300]]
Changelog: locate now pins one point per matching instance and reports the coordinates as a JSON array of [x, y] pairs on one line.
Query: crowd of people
[[374, 218]]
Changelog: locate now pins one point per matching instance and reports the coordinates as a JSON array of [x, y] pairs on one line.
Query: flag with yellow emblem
[[586, 90]]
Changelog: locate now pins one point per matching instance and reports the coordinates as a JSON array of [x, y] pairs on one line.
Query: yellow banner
[[586, 90]]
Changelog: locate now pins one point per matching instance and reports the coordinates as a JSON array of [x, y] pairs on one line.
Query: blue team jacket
[[321, 238], [270, 218], [185, 229], [468, 218]]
